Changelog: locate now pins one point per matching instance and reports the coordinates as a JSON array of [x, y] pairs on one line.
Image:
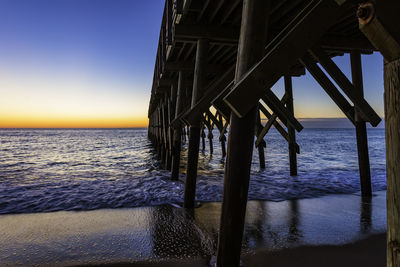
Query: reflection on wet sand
[[366, 215], [152, 233]]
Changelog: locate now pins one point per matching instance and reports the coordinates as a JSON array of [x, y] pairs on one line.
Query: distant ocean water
[[83, 169]]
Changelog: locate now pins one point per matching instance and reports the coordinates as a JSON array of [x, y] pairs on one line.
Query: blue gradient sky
[[89, 63]]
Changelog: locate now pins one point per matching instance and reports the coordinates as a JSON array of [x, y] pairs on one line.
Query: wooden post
[[168, 153], [291, 130], [361, 129], [379, 23], [165, 129], [222, 137], [194, 129], [203, 138], [176, 146], [392, 126], [262, 144], [210, 137], [161, 133], [241, 137]]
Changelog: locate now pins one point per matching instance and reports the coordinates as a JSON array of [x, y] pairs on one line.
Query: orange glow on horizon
[[36, 122]]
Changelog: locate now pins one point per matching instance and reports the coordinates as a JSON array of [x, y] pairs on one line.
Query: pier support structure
[[194, 129], [290, 128], [378, 21], [177, 136], [392, 126], [361, 128], [241, 137], [168, 154], [262, 144]]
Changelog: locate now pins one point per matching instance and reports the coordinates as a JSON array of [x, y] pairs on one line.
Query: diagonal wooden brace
[[269, 123], [348, 88], [214, 120], [306, 29], [329, 87], [278, 126]]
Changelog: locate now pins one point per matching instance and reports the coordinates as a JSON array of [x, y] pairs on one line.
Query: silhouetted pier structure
[[228, 54]]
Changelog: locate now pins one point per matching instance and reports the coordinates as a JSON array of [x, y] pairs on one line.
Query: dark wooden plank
[[283, 113], [278, 126], [214, 120], [329, 87], [265, 129], [348, 88], [214, 33], [290, 129], [270, 122], [307, 30], [379, 22]]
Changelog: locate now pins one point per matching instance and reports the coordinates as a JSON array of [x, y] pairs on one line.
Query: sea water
[[44, 170]]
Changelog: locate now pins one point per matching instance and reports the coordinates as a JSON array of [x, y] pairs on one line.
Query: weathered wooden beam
[[283, 113], [189, 67], [332, 42], [214, 33], [176, 147], [164, 84], [194, 129], [361, 130], [265, 129], [306, 30], [214, 119], [229, 36], [290, 129], [329, 87], [269, 123], [277, 126], [255, 16], [378, 21], [392, 126], [262, 144], [348, 88]]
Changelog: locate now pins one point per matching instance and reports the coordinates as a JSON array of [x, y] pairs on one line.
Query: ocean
[[43, 170]]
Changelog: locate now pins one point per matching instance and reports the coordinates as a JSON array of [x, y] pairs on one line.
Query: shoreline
[[148, 235], [368, 252]]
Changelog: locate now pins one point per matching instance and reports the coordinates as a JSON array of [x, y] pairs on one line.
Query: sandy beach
[[340, 230]]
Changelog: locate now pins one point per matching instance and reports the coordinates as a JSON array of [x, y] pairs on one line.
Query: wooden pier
[[215, 66]]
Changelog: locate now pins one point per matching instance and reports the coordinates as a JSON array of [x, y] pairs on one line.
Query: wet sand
[[369, 252], [274, 231]]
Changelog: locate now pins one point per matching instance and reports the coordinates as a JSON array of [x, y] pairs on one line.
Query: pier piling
[[194, 129], [241, 137], [177, 136], [290, 128], [361, 128]]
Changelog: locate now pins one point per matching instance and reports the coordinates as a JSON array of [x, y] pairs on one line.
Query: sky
[[89, 63]]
